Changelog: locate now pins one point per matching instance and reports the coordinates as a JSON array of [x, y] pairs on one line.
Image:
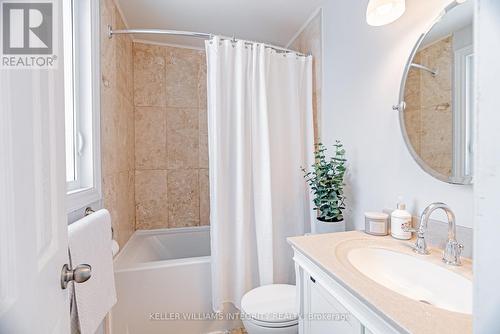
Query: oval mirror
[[436, 106]]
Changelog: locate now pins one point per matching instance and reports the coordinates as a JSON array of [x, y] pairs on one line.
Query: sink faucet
[[453, 249]]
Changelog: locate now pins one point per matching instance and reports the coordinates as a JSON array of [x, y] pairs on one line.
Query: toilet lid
[[274, 303]]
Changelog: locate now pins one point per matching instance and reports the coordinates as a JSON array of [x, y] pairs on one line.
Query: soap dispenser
[[399, 217]]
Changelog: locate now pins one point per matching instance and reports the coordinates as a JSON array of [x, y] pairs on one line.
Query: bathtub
[[163, 284]]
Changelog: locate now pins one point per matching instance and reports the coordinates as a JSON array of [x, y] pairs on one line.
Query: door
[[33, 227]]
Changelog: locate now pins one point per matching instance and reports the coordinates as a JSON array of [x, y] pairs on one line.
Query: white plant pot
[[328, 227]]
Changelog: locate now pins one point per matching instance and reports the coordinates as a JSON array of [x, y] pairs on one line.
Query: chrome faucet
[[453, 249]]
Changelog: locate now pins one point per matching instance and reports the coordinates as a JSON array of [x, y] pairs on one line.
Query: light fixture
[[382, 12]]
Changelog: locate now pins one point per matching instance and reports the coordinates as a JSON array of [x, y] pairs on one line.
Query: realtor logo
[[27, 29]]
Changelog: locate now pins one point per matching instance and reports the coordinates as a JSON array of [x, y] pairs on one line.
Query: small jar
[[376, 223]]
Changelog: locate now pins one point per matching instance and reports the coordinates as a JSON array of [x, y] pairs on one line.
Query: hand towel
[[89, 243]]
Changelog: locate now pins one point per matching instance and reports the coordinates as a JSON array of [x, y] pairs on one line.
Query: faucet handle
[[452, 253], [420, 246]]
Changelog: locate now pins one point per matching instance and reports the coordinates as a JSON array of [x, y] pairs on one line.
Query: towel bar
[[88, 211]]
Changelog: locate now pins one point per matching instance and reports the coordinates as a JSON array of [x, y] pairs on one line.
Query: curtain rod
[[425, 68], [201, 35]]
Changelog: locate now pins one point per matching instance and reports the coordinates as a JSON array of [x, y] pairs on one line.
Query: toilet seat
[[271, 306], [275, 324]]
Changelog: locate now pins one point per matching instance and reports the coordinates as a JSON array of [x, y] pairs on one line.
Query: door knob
[[80, 274]]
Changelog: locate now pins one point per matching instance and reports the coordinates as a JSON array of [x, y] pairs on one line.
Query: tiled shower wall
[[428, 113], [117, 125], [171, 158]]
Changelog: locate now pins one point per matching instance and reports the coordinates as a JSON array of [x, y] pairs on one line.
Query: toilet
[[270, 309]]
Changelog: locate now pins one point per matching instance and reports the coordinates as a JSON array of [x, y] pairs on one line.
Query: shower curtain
[[260, 126]]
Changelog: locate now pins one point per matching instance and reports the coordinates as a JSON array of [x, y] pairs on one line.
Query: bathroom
[[321, 166]]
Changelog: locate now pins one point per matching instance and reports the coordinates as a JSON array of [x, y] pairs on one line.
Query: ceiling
[[270, 21]]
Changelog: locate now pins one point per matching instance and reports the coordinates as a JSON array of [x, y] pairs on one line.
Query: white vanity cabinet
[[325, 314], [326, 306]]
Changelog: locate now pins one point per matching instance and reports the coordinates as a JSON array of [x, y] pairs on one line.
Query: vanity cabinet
[[326, 306], [325, 314]]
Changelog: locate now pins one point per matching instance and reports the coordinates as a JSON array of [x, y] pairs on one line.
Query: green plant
[[326, 180]]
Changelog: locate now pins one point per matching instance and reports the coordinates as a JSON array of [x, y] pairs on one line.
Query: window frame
[[87, 187], [463, 106]]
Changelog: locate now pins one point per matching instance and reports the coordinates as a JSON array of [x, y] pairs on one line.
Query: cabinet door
[[325, 314]]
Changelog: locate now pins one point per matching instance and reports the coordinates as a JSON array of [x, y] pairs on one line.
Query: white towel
[[89, 243]]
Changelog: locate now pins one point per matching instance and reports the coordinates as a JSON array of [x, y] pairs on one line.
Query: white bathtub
[[162, 281]]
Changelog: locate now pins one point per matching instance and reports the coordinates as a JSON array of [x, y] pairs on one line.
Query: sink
[[415, 278]]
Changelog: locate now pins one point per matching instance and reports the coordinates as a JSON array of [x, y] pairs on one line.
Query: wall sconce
[[382, 12]]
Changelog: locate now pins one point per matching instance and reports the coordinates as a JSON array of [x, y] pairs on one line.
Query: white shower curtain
[[260, 127]]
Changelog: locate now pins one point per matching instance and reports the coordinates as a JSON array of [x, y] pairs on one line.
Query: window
[[463, 111], [81, 71]]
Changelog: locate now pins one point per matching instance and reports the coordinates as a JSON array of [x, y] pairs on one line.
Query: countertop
[[329, 252]]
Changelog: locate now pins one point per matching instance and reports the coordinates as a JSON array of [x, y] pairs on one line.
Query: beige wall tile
[[109, 194], [108, 131], [436, 90], [412, 126], [125, 63], [204, 197], [149, 75], [428, 115], [117, 126], [412, 89], [150, 138], [203, 151], [203, 121], [131, 200], [183, 197], [202, 83], [151, 199], [108, 46], [203, 138], [176, 144], [437, 139], [131, 138], [182, 77], [182, 138], [123, 142], [115, 196]]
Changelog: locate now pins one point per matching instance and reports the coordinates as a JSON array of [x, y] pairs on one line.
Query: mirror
[[436, 105]]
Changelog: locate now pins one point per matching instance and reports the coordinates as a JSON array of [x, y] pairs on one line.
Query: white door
[[33, 223]]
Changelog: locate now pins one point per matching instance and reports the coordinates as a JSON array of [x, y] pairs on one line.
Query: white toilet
[[270, 309]]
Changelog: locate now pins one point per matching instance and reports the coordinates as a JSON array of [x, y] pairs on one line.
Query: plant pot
[[328, 227]]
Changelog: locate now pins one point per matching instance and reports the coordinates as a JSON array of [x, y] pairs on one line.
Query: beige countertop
[[329, 252]]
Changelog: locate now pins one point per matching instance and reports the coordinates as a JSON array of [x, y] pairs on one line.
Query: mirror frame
[[400, 107]]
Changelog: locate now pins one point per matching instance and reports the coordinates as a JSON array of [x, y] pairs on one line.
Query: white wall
[[363, 66], [487, 188]]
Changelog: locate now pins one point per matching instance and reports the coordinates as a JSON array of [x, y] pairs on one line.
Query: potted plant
[[326, 180]]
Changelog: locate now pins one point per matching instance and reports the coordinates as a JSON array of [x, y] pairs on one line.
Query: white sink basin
[[414, 278]]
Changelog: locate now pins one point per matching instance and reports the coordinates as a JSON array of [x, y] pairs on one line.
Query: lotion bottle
[[399, 217]]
